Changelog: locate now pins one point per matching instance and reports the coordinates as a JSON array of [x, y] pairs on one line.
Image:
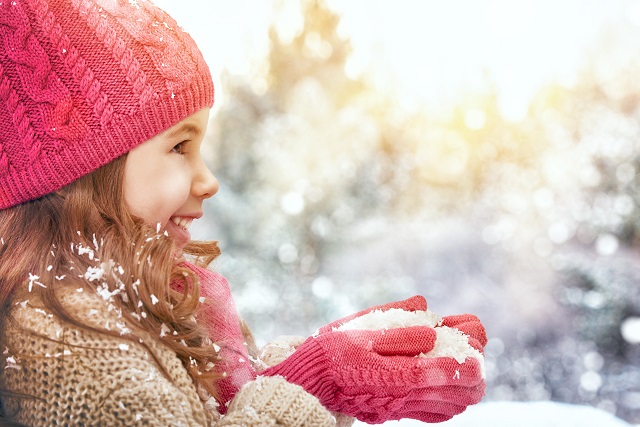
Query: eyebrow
[[185, 128]]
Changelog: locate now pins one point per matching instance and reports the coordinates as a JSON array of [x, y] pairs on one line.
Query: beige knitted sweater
[[83, 378]]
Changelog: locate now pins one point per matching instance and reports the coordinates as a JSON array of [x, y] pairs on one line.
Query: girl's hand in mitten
[[379, 375], [469, 325]]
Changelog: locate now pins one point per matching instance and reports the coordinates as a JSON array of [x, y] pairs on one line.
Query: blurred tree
[[317, 52], [317, 166], [300, 163], [590, 169]]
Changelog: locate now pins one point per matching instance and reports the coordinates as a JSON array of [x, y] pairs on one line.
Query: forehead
[[182, 129], [195, 123]]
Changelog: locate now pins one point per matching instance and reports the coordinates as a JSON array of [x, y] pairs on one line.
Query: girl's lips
[[180, 233]]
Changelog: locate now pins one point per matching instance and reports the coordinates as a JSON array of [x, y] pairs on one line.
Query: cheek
[[139, 200], [155, 197]]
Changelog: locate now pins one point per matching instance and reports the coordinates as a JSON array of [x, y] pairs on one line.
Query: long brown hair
[[87, 224]]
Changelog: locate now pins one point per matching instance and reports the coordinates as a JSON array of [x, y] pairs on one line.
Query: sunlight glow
[[439, 51], [431, 54], [475, 119]]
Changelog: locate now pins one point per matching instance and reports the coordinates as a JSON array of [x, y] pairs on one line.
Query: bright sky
[[433, 50]]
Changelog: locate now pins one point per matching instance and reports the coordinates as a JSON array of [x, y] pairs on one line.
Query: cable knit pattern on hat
[[84, 81], [84, 77]]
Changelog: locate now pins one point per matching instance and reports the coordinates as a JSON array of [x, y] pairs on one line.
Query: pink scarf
[[221, 318]]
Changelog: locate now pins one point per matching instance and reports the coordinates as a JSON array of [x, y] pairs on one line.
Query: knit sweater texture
[[77, 377]]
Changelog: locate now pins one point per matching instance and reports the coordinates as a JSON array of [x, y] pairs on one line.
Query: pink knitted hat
[[83, 82]]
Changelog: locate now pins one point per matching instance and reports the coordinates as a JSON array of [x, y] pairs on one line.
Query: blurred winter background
[[483, 154]]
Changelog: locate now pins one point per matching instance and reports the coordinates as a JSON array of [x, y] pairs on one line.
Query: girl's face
[[166, 179]]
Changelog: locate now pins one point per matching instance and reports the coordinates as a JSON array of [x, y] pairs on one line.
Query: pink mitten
[[223, 323], [469, 325], [376, 375]]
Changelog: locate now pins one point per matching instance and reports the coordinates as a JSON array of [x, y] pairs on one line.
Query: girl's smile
[[178, 227]]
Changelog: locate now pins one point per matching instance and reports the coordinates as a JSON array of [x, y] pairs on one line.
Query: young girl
[[109, 316]]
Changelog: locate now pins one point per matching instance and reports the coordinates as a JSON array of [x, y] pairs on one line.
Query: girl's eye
[[178, 148]]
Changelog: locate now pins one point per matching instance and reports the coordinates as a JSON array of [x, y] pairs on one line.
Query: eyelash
[[179, 148]]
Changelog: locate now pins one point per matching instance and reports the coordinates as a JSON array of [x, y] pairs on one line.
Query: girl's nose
[[205, 184]]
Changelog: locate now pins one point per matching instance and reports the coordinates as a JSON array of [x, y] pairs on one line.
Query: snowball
[[450, 342]]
